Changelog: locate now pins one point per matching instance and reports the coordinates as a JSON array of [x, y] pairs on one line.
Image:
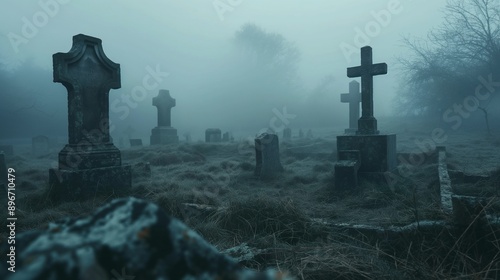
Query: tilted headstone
[[353, 98], [164, 133], [213, 135], [90, 163], [40, 145], [267, 155], [135, 142], [367, 124], [287, 134], [8, 150]]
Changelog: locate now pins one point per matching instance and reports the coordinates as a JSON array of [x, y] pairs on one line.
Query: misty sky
[[190, 39]]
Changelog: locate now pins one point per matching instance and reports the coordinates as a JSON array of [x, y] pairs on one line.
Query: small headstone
[[287, 134], [309, 134], [213, 135], [135, 142], [267, 155], [187, 137], [301, 134], [353, 98], [40, 145], [164, 133], [346, 170], [90, 164], [8, 150], [225, 137]]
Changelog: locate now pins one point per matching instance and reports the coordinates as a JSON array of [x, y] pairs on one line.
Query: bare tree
[[444, 68]]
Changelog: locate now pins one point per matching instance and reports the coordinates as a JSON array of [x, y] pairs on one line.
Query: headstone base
[[80, 157], [71, 185], [378, 152], [351, 131], [163, 135]]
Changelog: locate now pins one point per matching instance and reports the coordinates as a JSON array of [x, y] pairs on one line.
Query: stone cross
[[164, 103], [353, 98], [88, 75], [367, 124]]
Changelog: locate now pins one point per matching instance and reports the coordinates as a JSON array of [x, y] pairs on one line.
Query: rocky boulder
[[129, 239]]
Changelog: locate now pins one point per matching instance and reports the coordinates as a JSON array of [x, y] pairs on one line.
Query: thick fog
[[189, 48]]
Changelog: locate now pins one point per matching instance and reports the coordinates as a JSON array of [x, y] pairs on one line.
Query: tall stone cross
[[88, 75], [89, 164], [164, 103], [367, 124], [353, 98]]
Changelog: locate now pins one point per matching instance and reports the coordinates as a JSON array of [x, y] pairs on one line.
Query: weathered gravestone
[[225, 137], [135, 142], [377, 153], [213, 135], [90, 163], [40, 145], [8, 150], [164, 133], [267, 155], [353, 98], [287, 134]]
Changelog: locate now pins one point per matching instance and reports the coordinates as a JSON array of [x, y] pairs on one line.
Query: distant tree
[[444, 69], [269, 53], [28, 97], [321, 102], [259, 75]]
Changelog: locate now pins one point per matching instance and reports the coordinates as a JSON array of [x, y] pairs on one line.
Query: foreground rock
[[126, 239]]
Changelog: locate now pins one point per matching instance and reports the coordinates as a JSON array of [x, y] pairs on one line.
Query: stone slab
[[164, 135], [378, 152], [76, 185], [346, 174]]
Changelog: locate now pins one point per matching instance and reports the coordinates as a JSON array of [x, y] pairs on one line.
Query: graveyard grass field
[[286, 222]]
